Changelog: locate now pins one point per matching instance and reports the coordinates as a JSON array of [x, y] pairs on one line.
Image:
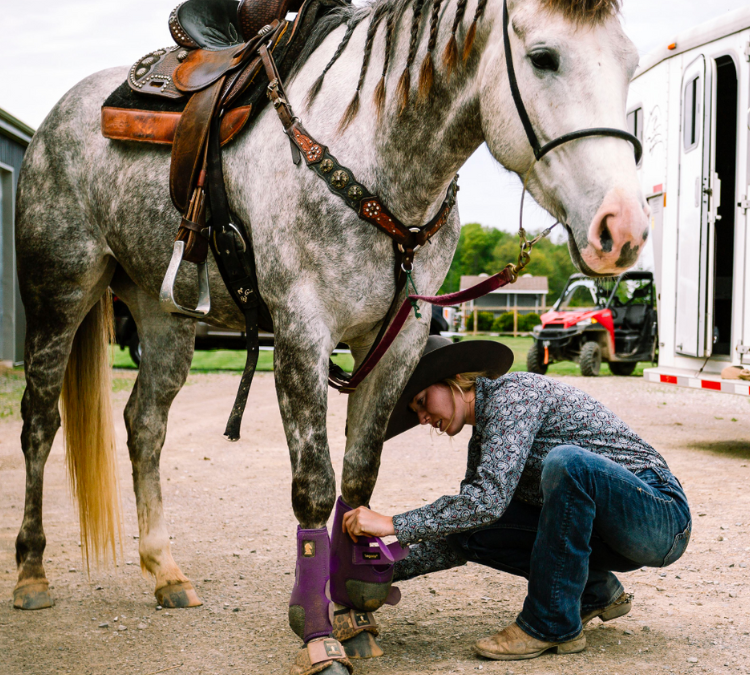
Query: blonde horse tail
[[89, 433]]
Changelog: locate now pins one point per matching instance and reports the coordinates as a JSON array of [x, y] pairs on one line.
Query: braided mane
[[390, 11]]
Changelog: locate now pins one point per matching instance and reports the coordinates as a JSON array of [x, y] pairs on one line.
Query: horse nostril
[[605, 237], [645, 235], [628, 255]]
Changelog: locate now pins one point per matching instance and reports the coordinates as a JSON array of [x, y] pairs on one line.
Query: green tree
[[482, 249], [474, 254]]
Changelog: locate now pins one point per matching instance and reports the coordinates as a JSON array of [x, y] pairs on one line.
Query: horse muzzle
[[616, 235]]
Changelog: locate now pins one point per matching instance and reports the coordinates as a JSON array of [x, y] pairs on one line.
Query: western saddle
[[194, 96]]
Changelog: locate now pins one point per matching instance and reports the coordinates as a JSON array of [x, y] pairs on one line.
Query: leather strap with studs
[[341, 180]]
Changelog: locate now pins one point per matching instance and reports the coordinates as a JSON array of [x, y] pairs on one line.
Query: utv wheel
[[591, 359], [535, 359], [623, 368], [134, 347]]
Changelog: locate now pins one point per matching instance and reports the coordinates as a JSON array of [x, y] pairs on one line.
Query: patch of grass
[[521, 345], [12, 384], [222, 360], [734, 448]]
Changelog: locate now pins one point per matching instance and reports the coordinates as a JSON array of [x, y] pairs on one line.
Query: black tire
[[591, 359], [535, 359], [134, 347], [622, 368]]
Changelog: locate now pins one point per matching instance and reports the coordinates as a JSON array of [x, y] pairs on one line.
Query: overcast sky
[[49, 45]]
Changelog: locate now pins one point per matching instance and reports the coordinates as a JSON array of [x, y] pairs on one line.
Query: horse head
[[572, 62]]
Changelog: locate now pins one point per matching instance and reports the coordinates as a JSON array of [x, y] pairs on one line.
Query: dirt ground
[[233, 534]]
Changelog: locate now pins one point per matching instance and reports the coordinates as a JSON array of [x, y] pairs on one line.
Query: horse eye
[[544, 60]]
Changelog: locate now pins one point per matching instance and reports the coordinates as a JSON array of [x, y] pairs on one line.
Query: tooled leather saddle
[[196, 96]]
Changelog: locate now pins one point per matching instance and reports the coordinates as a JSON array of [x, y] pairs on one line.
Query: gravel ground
[[233, 534]]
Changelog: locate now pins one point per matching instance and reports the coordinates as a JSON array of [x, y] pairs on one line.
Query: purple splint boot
[[362, 572], [310, 608]]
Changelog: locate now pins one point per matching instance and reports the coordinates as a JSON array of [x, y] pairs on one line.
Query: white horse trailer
[[689, 103]]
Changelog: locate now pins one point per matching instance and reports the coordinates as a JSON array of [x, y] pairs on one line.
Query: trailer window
[[691, 108], [635, 125]]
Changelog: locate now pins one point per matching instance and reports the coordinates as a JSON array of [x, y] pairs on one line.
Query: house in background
[[15, 137], [528, 294]]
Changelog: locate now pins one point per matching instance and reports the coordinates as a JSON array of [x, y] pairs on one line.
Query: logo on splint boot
[[308, 549], [361, 619], [333, 648], [371, 556]]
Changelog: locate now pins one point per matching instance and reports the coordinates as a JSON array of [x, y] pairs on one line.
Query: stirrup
[[166, 294]]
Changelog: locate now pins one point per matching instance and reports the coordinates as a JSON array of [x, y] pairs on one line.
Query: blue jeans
[[597, 517]]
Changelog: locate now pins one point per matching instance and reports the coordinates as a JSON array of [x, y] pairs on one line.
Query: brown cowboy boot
[[619, 607], [513, 644]]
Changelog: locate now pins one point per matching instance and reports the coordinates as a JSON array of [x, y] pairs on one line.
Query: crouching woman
[[558, 490]]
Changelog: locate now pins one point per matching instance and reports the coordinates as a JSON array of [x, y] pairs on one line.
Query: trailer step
[[688, 378]]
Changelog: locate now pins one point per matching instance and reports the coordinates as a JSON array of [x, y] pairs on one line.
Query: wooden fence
[[528, 310]]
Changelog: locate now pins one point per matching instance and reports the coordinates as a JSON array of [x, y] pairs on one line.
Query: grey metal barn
[[15, 137]]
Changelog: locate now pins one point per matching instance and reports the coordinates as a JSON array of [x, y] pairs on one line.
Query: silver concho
[[326, 165], [182, 54], [141, 72], [354, 192], [339, 179]]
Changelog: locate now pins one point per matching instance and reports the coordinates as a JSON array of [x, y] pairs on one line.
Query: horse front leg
[[359, 588], [301, 351], [167, 342]]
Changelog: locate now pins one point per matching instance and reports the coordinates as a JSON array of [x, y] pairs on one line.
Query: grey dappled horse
[[94, 213]]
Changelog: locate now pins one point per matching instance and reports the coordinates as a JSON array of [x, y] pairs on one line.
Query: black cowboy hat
[[442, 358]]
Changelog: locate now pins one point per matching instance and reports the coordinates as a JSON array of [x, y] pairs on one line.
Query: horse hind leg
[[167, 342], [61, 320]]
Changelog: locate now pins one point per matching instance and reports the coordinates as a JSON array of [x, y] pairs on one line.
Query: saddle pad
[[152, 74], [121, 124]]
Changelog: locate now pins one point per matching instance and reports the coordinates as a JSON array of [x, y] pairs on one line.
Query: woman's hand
[[363, 522]]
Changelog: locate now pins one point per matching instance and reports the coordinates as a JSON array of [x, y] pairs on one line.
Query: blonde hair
[[462, 383]]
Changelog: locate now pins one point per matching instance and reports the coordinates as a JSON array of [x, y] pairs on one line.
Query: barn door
[[696, 212]]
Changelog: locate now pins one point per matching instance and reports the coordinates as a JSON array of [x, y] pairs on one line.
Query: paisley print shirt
[[519, 418]]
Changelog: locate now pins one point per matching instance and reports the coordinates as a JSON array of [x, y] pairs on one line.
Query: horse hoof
[[334, 668], [32, 594], [181, 594], [362, 646]]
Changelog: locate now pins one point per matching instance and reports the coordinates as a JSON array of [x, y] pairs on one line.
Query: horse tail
[[89, 433]]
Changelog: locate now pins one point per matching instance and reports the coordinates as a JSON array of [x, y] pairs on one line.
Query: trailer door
[[694, 324]]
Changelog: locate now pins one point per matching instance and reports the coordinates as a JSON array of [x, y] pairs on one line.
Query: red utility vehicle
[[597, 320]]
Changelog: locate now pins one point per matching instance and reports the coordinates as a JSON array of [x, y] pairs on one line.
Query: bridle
[[541, 150]]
